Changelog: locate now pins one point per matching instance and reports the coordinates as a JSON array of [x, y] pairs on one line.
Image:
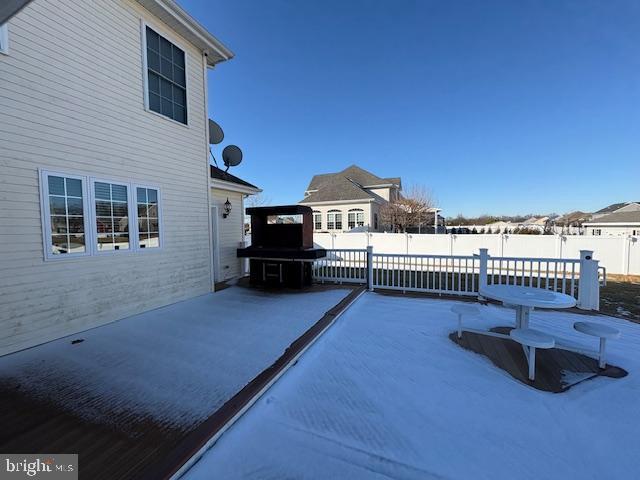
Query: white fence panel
[[470, 244], [426, 245], [619, 255], [350, 240]]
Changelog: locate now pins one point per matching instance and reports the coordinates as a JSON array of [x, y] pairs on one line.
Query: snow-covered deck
[[386, 394], [131, 391]]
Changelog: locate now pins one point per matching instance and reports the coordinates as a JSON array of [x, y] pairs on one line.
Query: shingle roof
[[344, 185], [219, 174], [619, 217], [613, 207]]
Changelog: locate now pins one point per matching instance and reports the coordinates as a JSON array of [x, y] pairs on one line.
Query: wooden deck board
[[552, 365], [143, 449]]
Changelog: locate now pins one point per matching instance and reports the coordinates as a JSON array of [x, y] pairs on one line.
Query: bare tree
[[412, 209]]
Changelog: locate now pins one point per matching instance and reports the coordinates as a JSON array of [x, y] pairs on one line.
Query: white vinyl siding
[[72, 104], [230, 233]]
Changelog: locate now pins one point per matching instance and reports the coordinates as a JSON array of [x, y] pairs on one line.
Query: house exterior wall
[[369, 208], [230, 233], [72, 101], [612, 230]]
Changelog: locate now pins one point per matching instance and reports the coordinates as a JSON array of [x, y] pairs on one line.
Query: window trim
[[317, 213], [355, 212], [145, 70], [45, 215], [4, 38], [94, 217], [88, 206], [334, 212], [134, 199]]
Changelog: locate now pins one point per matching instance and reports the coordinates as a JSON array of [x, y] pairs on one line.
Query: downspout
[[212, 280]]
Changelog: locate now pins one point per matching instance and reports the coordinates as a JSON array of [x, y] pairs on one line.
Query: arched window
[[334, 220], [355, 218], [317, 220]]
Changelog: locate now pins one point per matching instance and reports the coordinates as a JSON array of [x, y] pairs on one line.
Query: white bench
[[464, 310], [531, 339], [604, 332]]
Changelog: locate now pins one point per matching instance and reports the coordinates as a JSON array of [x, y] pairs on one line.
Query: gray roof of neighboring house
[[613, 207], [345, 185], [219, 174], [619, 217]]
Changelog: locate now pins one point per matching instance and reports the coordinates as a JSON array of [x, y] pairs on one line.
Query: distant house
[[228, 193], [350, 199], [619, 223], [104, 144], [616, 207]]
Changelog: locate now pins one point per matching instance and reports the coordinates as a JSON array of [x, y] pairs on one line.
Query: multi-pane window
[[317, 220], [334, 220], [65, 200], [166, 77], [4, 39], [112, 216], [355, 218], [148, 225], [596, 231]]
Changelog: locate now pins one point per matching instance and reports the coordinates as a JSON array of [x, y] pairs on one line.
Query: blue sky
[[498, 107]]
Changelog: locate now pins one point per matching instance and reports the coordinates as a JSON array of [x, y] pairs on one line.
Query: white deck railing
[[460, 274]]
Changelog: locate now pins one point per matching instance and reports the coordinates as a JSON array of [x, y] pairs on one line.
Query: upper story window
[[334, 220], [317, 220], [355, 218], [166, 77], [4, 38]]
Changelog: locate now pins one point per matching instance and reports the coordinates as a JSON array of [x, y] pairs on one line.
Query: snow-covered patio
[[125, 394], [386, 394]]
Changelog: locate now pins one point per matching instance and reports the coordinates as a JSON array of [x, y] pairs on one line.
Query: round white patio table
[[526, 298]]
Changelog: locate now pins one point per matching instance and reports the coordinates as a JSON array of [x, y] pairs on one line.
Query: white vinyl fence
[[462, 274], [618, 255]]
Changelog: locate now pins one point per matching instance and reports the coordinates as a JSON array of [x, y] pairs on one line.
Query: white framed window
[[355, 218], [111, 216], [83, 215], [4, 39], [317, 220], [334, 220], [165, 78], [148, 217], [65, 215], [596, 231]]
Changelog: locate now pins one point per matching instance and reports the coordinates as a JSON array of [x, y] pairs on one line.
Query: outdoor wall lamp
[[227, 208]]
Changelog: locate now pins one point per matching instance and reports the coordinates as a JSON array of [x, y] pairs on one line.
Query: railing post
[[370, 268], [588, 285], [484, 261]]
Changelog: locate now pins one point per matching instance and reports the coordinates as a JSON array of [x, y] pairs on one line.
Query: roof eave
[[233, 187], [191, 29]]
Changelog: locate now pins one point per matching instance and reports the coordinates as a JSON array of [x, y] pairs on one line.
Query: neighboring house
[[619, 223], [616, 207], [350, 199], [104, 195], [227, 215]]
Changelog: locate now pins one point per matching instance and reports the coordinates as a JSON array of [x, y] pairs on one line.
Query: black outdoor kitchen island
[[281, 251]]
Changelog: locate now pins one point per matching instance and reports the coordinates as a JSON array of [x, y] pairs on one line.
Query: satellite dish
[[231, 156], [216, 135]]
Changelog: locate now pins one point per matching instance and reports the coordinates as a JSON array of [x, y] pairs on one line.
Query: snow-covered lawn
[[385, 394], [175, 365]]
